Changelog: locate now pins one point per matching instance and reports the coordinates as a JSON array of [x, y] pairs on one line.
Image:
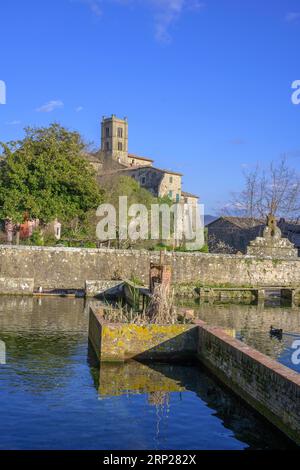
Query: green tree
[[47, 175], [126, 186]]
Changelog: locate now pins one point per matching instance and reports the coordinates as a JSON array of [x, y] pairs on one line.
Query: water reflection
[[54, 395], [163, 382], [44, 314], [251, 324], [40, 335]]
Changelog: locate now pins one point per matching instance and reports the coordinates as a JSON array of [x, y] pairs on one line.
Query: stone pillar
[[261, 294], [9, 229], [57, 229]]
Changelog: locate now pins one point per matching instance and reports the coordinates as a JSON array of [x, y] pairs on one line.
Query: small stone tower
[[114, 140]]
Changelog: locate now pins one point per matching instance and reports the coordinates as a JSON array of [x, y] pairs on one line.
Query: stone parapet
[[69, 268], [281, 248], [269, 387], [119, 342], [16, 286]]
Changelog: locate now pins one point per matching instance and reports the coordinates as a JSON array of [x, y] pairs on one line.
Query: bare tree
[[274, 191], [219, 246]]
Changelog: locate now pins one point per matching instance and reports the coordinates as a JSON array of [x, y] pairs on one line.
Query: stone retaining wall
[[69, 268], [13, 286], [269, 387], [119, 342], [99, 288]]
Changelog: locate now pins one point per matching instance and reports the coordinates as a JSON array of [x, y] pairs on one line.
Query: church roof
[[169, 172], [185, 194], [137, 157], [241, 222], [138, 168]]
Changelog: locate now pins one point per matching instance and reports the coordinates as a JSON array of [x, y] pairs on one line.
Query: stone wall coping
[[168, 254], [257, 356], [17, 279]]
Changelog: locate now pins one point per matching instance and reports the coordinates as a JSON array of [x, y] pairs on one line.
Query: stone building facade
[[114, 159], [159, 182]]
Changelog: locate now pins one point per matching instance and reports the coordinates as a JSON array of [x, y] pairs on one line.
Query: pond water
[[54, 395], [251, 324]]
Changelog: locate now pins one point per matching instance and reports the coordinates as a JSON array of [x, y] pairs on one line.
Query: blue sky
[[206, 85]]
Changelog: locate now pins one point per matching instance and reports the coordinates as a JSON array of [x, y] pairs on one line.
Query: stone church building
[[114, 159]]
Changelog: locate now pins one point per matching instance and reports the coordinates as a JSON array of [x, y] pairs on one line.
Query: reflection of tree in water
[[246, 425], [161, 401], [41, 362]]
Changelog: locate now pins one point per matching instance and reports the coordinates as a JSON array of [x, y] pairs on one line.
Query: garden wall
[[70, 268]]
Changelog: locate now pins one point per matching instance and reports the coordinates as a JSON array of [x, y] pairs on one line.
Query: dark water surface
[[53, 395], [251, 324]]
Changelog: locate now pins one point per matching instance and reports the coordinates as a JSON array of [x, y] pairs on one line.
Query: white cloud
[[13, 123], [165, 12], [292, 16], [50, 106], [94, 6], [79, 109]]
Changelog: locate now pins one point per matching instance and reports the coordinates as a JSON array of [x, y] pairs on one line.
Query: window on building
[[120, 146], [143, 180], [107, 145], [177, 197], [171, 194], [107, 131], [120, 132], [171, 179]]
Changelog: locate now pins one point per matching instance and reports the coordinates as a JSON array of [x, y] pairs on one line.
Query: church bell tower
[[114, 140]]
